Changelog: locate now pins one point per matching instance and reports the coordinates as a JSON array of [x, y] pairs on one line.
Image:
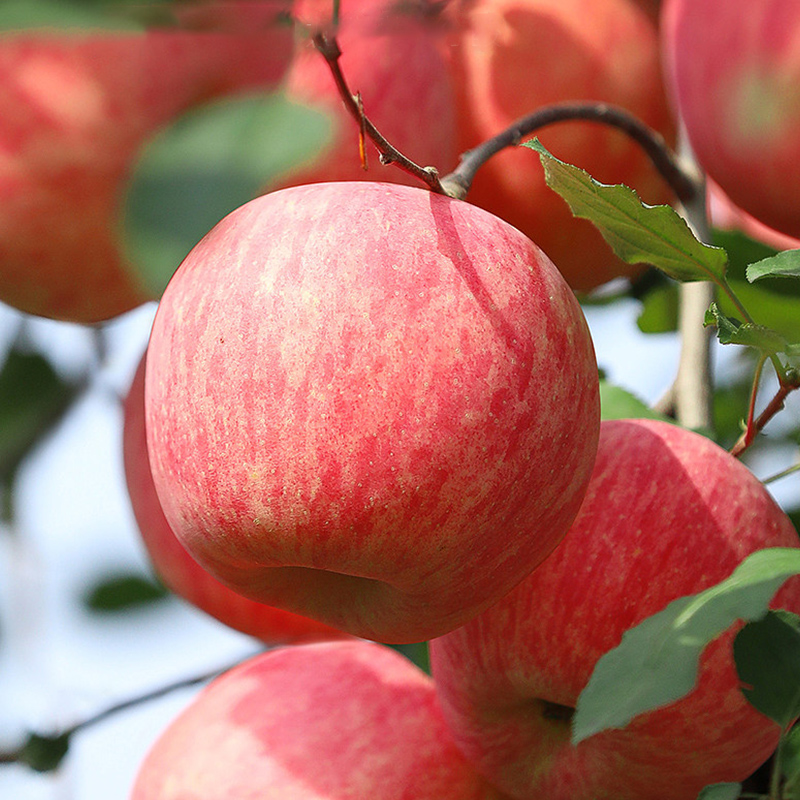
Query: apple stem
[[683, 182], [328, 46]]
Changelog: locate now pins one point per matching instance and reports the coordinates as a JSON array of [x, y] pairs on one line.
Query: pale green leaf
[[781, 265]]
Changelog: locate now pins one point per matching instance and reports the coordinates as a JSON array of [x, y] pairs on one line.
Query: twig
[[329, 48], [22, 754], [683, 182], [787, 385], [784, 473]]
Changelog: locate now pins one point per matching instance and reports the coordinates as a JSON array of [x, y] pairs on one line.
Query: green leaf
[[618, 403], [31, 14], [44, 753], [33, 398], [781, 265], [122, 592], [205, 165], [790, 761], [773, 301], [767, 655], [659, 310], [721, 791], [637, 233], [656, 662], [731, 331]]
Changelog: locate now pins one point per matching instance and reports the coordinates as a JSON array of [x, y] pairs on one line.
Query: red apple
[[333, 721], [723, 214], [390, 56], [75, 109], [733, 69], [178, 570], [371, 405], [668, 513], [510, 57]]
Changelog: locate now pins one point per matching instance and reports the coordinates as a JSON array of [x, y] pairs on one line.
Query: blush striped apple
[[176, 568], [668, 513], [332, 721], [370, 404]]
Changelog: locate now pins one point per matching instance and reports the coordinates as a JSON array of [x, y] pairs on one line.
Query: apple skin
[[668, 513], [510, 57], [725, 215], [390, 56], [329, 721], [733, 71], [371, 405], [180, 573], [75, 110]]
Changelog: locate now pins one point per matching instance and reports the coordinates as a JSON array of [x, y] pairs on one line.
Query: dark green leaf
[[32, 399], [122, 592], [721, 791], [416, 653], [44, 753], [656, 662], [617, 403], [208, 163], [790, 761], [767, 655], [781, 265], [637, 233]]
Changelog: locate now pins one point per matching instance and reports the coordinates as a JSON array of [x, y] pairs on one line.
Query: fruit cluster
[[369, 411]]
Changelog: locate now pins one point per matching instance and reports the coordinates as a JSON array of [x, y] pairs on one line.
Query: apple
[[511, 57], [668, 513], [370, 404], [75, 110], [329, 721], [176, 568], [725, 215], [733, 71], [391, 57]]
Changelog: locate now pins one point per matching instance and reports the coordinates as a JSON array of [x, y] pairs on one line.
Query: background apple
[[390, 56], [337, 720], [723, 214], [668, 513], [179, 571], [510, 57], [75, 109], [371, 405], [733, 70]]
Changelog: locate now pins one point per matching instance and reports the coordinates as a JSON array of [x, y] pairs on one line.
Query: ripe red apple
[[510, 57], [371, 405], [390, 56], [75, 109], [331, 721], [668, 513], [178, 570], [723, 214], [733, 70]]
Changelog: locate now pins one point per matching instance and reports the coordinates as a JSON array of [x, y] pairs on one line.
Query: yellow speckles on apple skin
[[384, 419]]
